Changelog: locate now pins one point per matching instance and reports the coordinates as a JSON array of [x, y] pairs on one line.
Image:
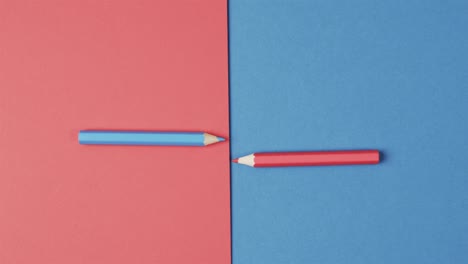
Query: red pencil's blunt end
[[235, 160]]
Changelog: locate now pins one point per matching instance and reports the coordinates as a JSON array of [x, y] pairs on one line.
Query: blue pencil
[[143, 138]]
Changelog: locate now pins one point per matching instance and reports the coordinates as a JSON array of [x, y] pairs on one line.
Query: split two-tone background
[[303, 75]]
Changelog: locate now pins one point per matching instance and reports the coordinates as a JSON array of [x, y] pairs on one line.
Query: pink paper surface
[[140, 65]]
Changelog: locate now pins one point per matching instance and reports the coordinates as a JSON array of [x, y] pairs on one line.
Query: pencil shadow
[[383, 156]]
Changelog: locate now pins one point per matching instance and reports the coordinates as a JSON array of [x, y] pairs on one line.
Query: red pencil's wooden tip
[[235, 160]]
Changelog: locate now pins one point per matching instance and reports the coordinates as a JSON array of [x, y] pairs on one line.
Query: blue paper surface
[[332, 75]]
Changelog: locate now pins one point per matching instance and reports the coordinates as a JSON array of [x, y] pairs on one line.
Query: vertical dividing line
[[230, 129]]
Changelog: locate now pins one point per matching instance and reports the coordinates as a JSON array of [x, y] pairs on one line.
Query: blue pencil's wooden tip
[[211, 139]]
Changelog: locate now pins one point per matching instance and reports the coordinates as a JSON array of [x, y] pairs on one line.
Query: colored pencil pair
[[278, 159]]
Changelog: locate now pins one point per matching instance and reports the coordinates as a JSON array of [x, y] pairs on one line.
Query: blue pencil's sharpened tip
[[220, 139]]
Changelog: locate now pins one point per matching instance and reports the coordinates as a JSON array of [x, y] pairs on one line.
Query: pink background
[[150, 65]]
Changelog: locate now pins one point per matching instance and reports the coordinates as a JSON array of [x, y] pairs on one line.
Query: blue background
[[324, 75]]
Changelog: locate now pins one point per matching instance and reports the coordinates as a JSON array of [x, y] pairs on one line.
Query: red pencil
[[317, 158]]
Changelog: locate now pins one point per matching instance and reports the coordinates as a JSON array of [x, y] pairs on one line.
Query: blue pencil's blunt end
[[220, 139], [80, 137]]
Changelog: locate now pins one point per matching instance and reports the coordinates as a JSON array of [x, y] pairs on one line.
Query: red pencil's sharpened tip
[[235, 160]]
